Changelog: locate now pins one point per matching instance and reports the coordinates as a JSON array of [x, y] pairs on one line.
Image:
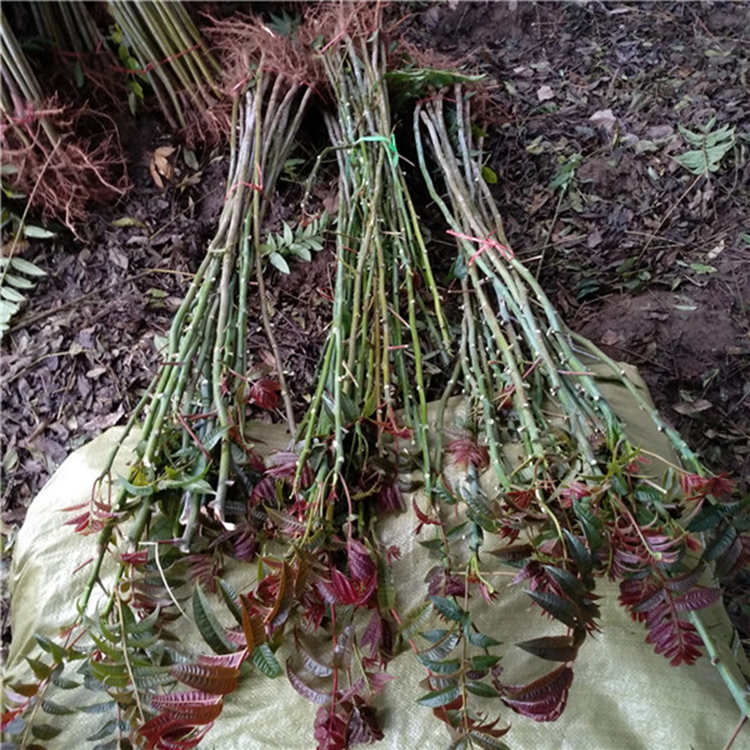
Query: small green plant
[[299, 242], [566, 173], [14, 287], [284, 24], [135, 76], [14, 284], [707, 147]]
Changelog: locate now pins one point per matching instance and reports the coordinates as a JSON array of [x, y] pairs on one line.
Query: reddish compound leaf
[[541, 700], [193, 707], [676, 639], [310, 693], [697, 598], [265, 393], [193, 697], [217, 680]]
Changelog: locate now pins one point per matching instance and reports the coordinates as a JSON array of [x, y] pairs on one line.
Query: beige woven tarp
[[623, 697]]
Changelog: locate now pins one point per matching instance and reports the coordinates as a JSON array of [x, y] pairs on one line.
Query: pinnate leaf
[[217, 680], [266, 661], [553, 648], [208, 624], [561, 609], [194, 707], [45, 731], [414, 621], [541, 700], [305, 690], [481, 688], [449, 609], [50, 707], [480, 640], [440, 697], [697, 598]]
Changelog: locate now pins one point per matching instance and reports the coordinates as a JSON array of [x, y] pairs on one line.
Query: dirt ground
[[649, 260]]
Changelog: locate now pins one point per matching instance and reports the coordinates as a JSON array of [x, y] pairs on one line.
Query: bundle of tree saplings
[[45, 162], [572, 501], [582, 502], [159, 44], [184, 504]]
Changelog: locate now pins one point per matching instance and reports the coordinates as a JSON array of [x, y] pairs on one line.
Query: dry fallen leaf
[[544, 93], [716, 251], [605, 120], [594, 239], [118, 258], [610, 338], [696, 407], [104, 421], [96, 372], [159, 165], [537, 201]]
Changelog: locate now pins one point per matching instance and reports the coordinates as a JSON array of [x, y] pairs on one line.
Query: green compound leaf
[[231, 598], [209, 625], [278, 261], [439, 698], [49, 707], [41, 670], [480, 640], [707, 149], [45, 731], [265, 660], [57, 652], [481, 689], [450, 610]]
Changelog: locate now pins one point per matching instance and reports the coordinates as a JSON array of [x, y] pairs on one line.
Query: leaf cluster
[[707, 148], [18, 278], [299, 242]]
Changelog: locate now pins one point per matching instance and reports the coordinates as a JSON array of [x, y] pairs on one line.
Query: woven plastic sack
[[623, 697]]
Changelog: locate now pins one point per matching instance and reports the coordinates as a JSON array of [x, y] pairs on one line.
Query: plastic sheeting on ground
[[623, 697]]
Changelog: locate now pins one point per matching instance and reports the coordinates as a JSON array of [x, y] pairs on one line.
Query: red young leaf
[[193, 697], [676, 639], [342, 590], [697, 598], [184, 737], [373, 631], [8, 717], [390, 499], [684, 581], [135, 558], [167, 733], [233, 660], [153, 729], [541, 700], [314, 696], [264, 393], [424, 519], [330, 730], [361, 565], [465, 451], [190, 707], [207, 678]]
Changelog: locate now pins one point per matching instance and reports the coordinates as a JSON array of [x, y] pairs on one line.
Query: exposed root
[[82, 169]]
